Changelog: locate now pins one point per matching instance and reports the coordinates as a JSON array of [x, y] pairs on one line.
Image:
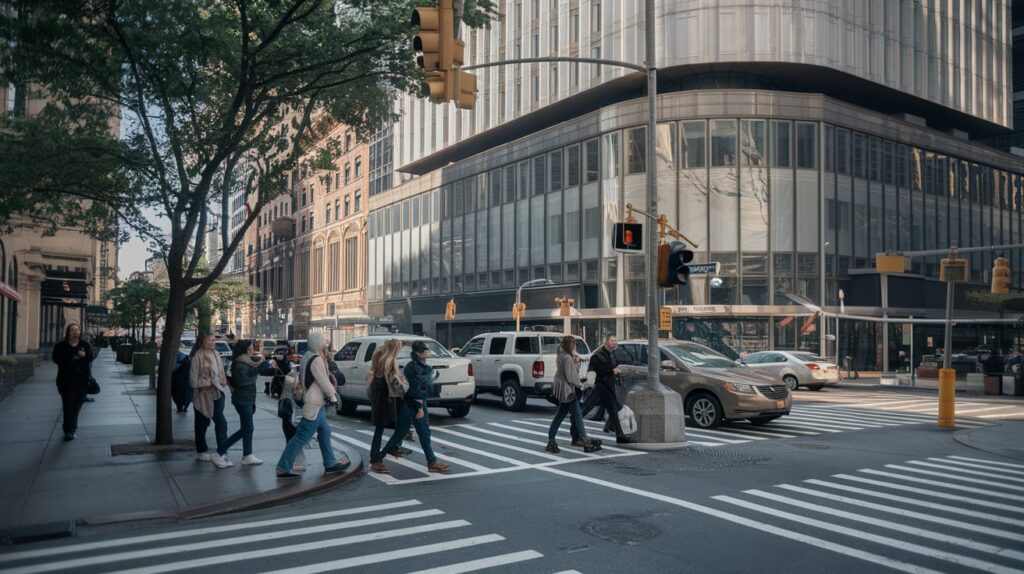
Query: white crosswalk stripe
[[878, 513], [897, 402], [309, 543], [478, 449]]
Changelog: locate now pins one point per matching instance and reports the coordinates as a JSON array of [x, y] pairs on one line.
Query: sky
[[133, 255]]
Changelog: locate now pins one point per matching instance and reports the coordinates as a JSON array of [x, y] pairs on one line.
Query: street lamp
[[541, 282]]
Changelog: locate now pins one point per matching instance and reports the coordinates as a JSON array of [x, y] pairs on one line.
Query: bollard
[[947, 398]]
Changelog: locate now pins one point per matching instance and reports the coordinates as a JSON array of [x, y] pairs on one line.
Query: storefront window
[[723, 143], [694, 141]]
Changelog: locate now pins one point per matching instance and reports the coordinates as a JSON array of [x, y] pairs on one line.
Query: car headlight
[[740, 388]]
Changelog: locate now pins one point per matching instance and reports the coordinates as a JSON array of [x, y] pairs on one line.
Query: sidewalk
[[1004, 439], [47, 480]]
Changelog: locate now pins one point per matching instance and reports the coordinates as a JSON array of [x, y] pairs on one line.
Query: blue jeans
[[303, 433], [571, 407], [406, 416], [220, 426], [245, 415]]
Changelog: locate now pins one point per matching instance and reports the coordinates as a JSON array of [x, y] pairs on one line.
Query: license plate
[[780, 404]]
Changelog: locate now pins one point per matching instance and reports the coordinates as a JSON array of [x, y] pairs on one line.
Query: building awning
[[64, 291], [9, 292]]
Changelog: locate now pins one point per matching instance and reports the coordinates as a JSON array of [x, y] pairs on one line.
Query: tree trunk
[[174, 321]]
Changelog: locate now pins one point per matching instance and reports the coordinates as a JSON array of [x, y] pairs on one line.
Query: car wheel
[[348, 408], [704, 411], [761, 421], [791, 382], [815, 387], [512, 397], [459, 411]]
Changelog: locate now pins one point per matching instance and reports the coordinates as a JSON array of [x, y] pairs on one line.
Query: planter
[[993, 385], [927, 372], [142, 362]]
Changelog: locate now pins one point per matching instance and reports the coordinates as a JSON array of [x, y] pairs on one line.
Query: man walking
[[604, 365]]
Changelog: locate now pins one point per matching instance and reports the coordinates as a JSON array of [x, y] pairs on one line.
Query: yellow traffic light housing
[[1001, 276], [518, 310], [449, 311], [890, 263], [564, 306], [442, 56], [428, 40], [464, 89]]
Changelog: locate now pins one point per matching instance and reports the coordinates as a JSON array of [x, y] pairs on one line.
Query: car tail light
[[813, 366], [470, 373], [538, 369]]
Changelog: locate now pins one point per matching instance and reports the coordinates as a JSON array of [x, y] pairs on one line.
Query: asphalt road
[[852, 481]]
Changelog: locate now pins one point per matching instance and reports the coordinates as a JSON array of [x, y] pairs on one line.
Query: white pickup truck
[[517, 365]]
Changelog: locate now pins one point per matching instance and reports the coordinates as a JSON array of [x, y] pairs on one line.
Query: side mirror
[[668, 366]]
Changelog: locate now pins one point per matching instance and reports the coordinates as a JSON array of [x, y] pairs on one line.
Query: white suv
[[453, 377], [516, 365]]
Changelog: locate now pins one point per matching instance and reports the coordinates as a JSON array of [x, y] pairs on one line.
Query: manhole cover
[[684, 460], [620, 529]]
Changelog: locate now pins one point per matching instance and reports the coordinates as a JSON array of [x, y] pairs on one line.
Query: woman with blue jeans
[[566, 389], [209, 385], [315, 379], [412, 409], [245, 370]]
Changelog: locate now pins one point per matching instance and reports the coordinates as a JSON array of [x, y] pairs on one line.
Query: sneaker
[[338, 467], [298, 468], [552, 447], [250, 460], [221, 461], [204, 457], [287, 475]]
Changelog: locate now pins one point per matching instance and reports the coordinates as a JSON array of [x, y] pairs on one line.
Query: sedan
[[795, 369], [714, 387]]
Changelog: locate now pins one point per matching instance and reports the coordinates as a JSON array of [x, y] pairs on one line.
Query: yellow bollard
[[947, 396]]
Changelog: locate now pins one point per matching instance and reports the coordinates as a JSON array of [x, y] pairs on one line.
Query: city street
[[855, 480]]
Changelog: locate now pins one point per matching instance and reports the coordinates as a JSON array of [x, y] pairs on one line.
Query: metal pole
[[948, 345], [912, 369], [651, 315], [947, 376], [516, 311]]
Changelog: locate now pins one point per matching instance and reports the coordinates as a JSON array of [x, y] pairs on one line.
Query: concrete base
[[974, 385], [659, 417]]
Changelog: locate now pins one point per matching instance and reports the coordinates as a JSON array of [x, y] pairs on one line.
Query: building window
[[595, 17], [303, 198], [337, 209], [807, 146], [347, 206], [694, 142], [723, 143], [573, 166], [334, 277], [352, 263], [311, 222], [327, 214], [358, 201], [359, 168], [592, 161], [781, 144], [348, 173], [348, 141], [636, 150]]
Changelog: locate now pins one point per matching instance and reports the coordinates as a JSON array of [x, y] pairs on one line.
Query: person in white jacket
[[315, 379]]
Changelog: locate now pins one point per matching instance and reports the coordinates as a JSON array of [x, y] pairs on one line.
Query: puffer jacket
[[421, 381]]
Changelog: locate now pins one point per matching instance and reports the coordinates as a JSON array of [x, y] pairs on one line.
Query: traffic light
[[442, 55], [564, 306], [1001, 276], [518, 310], [449, 311], [672, 259], [628, 237]]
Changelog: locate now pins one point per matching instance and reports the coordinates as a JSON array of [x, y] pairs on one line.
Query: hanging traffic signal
[[628, 237], [518, 310], [465, 89], [442, 55], [449, 311], [672, 259], [1001, 276], [564, 306]]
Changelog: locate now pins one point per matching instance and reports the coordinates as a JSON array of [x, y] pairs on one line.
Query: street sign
[[954, 270], [703, 268], [628, 237], [665, 319]]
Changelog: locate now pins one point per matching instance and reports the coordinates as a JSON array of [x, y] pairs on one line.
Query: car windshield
[[808, 357], [693, 355], [223, 347], [437, 351]]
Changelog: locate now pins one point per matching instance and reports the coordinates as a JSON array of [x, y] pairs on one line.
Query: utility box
[[890, 263]]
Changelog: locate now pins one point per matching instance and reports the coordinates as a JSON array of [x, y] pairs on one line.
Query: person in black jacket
[[413, 408], [74, 369], [606, 367]]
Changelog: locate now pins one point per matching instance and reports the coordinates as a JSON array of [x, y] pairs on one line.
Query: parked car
[[224, 350], [794, 368], [453, 376], [297, 348], [271, 344], [714, 387], [517, 365]]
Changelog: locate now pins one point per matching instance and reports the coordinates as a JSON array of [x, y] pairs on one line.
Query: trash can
[[124, 353], [142, 362]]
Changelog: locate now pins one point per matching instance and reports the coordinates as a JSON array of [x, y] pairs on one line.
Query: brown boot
[[380, 468], [590, 445], [552, 447], [437, 467]]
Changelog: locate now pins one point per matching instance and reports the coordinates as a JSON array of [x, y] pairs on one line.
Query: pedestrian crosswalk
[[914, 516], [401, 536], [987, 408], [478, 449], [810, 420]]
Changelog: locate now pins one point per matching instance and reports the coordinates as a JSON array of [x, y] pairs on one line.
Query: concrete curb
[[966, 438], [653, 446]]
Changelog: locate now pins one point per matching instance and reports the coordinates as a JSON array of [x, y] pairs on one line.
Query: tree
[[137, 302], [211, 94]]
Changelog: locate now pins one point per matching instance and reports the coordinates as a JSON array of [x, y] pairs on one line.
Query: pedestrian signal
[[628, 237]]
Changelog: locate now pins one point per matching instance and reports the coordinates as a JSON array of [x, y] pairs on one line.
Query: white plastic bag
[[627, 420]]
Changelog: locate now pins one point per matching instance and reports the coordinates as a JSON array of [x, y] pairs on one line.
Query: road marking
[[164, 537], [814, 541], [992, 462], [454, 460], [974, 465], [991, 483], [904, 512], [966, 471], [760, 432], [565, 432], [537, 453], [437, 477], [901, 418], [883, 540], [830, 418], [972, 412], [379, 557], [944, 485], [849, 417], [889, 525], [422, 469], [707, 434], [538, 442], [474, 565], [934, 493], [483, 453], [217, 543], [796, 423]]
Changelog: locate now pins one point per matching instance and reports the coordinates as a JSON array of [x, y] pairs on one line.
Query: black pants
[[72, 402], [606, 398], [589, 404]]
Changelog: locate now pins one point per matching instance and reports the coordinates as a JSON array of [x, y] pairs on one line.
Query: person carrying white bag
[[627, 420]]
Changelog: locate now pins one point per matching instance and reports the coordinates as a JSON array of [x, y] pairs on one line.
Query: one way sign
[[703, 268]]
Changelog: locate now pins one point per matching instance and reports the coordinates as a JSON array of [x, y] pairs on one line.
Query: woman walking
[[74, 369], [383, 376], [209, 385], [412, 409], [245, 371], [566, 389]]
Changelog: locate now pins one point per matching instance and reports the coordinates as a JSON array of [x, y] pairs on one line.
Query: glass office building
[[791, 188]]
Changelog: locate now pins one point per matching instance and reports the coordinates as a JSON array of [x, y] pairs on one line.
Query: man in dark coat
[[606, 367]]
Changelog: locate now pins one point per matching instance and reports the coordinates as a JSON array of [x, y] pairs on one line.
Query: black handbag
[[94, 387]]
